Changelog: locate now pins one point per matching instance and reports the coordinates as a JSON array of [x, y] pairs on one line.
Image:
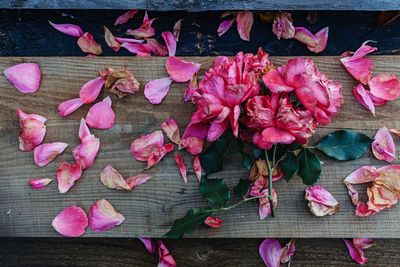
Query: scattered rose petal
[[321, 202], [25, 77], [67, 174], [149, 244], [165, 258], [71, 222], [33, 130], [357, 254], [353, 193], [193, 137], [85, 153], [122, 40], [138, 49], [213, 222], [88, 45], [181, 165], [156, 90], [177, 29], [170, 41], [385, 86], [103, 216], [137, 180], [180, 70], [158, 155], [225, 26], [45, 153], [282, 26], [125, 17], [145, 30], [171, 129], [110, 40], [288, 251], [69, 29], [383, 146], [39, 183], [389, 177], [112, 179], [197, 167], [69, 106], [91, 90], [264, 207], [144, 146], [315, 43], [101, 115], [363, 243], [244, 21], [363, 98], [157, 48], [362, 175], [120, 82], [376, 100], [362, 210], [271, 251], [395, 132]]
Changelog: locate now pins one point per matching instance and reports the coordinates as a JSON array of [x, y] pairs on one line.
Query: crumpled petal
[[69, 106], [264, 207], [110, 40], [85, 153], [156, 47], [282, 26], [380, 198], [181, 165], [362, 210], [122, 40], [362, 175], [385, 86], [158, 155], [288, 251], [389, 177], [353, 193], [91, 90], [145, 30], [138, 49], [149, 244], [383, 146], [67, 174], [137, 180], [315, 43], [88, 45], [363, 243], [156, 90], [71, 222], [33, 130], [39, 183], [103, 216], [120, 82], [45, 153], [165, 258], [244, 22], [213, 222], [112, 179], [180, 70], [191, 89], [321, 202], [171, 129], [177, 29], [123, 18], [144, 146], [69, 29], [193, 137], [25, 77], [363, 98], [170, 41], [101, 115], [271, 251], [357, 254], [197, 167], [376, 100], [225, 26]]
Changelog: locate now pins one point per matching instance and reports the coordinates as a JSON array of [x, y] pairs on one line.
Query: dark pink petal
[[225, 26], [244, 22], [165, 258], [383, 146], [88, 45], [67, 174], [112, 179], [158, 155], [378, 102], [145, 30], [364, 174], [193, 137], [139, 49], [146, 145], [181, 165], [385, 86], [363, 98], [157, 48], [362, 210], [171, 129], [33, 130], [170, 41], [321, 202], [156, 90], [191, 89], [24, 77], [110, 40], [288, 251], [128, 40], [91, 90], [45, 153], [197, 167], [363, 243], [69, 106], [69, 29], [277, 136], [282, 26], [71, 222], [275, 82], [125, 17], [177, 29], [213, 222], [101, 115], [180, 70], [137, 180], [103, 216], [271, 251], [39, 183], [85, 153], [149, 244], [315, 43], [356, 254]]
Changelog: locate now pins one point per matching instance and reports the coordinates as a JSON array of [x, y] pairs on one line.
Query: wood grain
[[151, 208]]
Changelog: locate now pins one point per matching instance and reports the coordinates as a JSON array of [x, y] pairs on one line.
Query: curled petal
[[321, 202], [315, 43], [275, 82], [376, 100], [356, 254], [362, 175], [288, 251], [271, 251], [177, 29], [395, 132], [145, 30], [69, 106], [71, 222], [39, 183], [157, 48], [24, 77], [88, 45], [180, 70], [363, 98], [383, 146], [33, 130], [137, 180], [144, 146], [125, 17], [197, 167], [389, 177], [277, 136], [112, 179], [158, 155], [165, 258], [385, 86], [91, 90], [101, 115], [110, 40], [171, 129], [85, 153], [149, 244], [363, 243], [193, 137], [139, 49], [264, 208], [181, 165], [353, 193], [362, 210], [213, 222], [45, 153], [156, 90], [103, 216], [225, 26], [84, 131], [379, 198], [67, 174], [69, 29], [128, 40], [244, 22], [170, 41], [282, 26]]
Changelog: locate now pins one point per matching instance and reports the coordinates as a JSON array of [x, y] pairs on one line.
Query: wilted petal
[[282, 26], [171, 129], [383, 146], [69, 106], [389, 177], [158, 155], [125, 17], [122, 40], [363, 243], [149, 244], [362, 210], [363, 98], [112, 179], [271, 251], [225, 26], [264, 208], [181, 165], [170, 41], [101, 115], [315, 43], [157, 48], [244, 22], [71, 222], [137, 180], [24, 77], [103, 216], [165, 258], [321, 202], [69, 29], [45, 153], [356, 254], [110, 40], [288, 251], [193, 137], [362, 175], [39, 183], [380, 197], [33, 130], [144, 146], [213, 222], [197, 167], [385, 86], [180, 70], [88, 45], [91, 90], [177, 29], [156, 90], [67, 174], [145, 30], [353, 193], [85, 153], [139, 49]]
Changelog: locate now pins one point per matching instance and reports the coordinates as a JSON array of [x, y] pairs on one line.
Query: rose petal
[[146, 145], [389, 177], [193, 137], [112, 179], [271, 251], [156, 90], [85, 153], [197, 167], [264, 207], [71, 222], [88, 45], [110, 40], [24, 77], [177, 29], [39, 183], [45, 153], [149, 244], [362, 175], [165, 258], [170, 41], [67, 174], [363, 243], [180, 70], [395, 132], [376, 100], [171, 129], [383, 146], [356, 254], [125, 17], [362, 210], [101, 115], [288, 251], [69, 29], [282, 26], [33, 130], [244, 22], [213, 222], [103, 216], [157, 48], [380, 198], [137, 180], [315, 43], [91, 90], [275, 82], [145, 30], [128, 40], [139, 49], [353, 193], [158, 155], [84, 131], [363, 98], [225, 26], [69, 106], [385, 86], [321, 202], [181, 165], [274, 135]]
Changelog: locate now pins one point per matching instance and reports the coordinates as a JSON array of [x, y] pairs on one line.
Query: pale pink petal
[[128, 40], [244, 22], [264, 207], [112, 179], [170, 41], [91, 90], [145, 30], [137, 180], [144, 146], [181, 165], [180, 70], [321, 202], [277, 136], [353, 193], [288, 251], [315, 43], [385, 86], [45, 153], [389, 177], [383, 146], [165, 258], [363, 98], [149, 244], [321, 39], [33, 130], [380, 197], [25, 77], [213, 222], [362, 175], [171, 129], [156, 90], [110, 40], [69, 29], [85, 153], [356, 254], [139, 49], [84, 131], [103, 216], [157, 48], [69, 106], [197, 167], [71, 222], [271, 251], [158, 155], [225, 26], [363, 243], [88, 45], [125, 17], [101, 115], [39, 183], [282, 26], [395, 132], [177, 29], [376, 100], [67, 174]]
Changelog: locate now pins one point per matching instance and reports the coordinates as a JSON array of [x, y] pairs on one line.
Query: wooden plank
[[196, 6], [151, 208]]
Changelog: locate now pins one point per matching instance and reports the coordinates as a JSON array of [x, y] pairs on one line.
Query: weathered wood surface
[[95, 252], [151, 208], [203, 5]]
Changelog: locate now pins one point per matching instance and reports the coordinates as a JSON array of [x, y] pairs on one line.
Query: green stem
[[270, 170], [236, 204]]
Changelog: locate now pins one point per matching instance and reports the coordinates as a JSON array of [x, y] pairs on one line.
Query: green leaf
[[188, 223], [215, 191], [344, 145], [309, 166], [247, 160], [242, 188], [290, 166], [212, 159]]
